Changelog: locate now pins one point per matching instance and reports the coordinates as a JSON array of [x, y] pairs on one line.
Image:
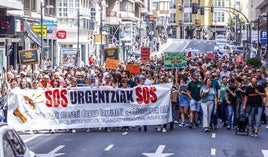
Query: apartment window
[[219, 3], [218, 17], [27, 4], [187, 18], [77, 3], [92, 14], [155, 6], [130, 7], [164, 5], [187, 3], [33, 2], [172, 18], [65, 12], [237, 5], [65, 3]]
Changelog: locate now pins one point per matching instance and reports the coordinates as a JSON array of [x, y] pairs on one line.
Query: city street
[[180, 142], [178, 45]]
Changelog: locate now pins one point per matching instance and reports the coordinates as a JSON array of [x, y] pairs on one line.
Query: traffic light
[[202, 11], [211, 9], [194, 8]]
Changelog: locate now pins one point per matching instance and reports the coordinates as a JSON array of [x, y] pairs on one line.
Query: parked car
[[11, 145], [237, 50]]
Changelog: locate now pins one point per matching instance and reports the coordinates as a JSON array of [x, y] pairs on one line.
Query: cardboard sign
[[28, 57], [239, 59], [145, 53], [133, 68], [175, 60], [111, 63], [210, 55], [111, 53]]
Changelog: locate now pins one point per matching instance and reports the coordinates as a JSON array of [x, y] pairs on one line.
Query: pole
[[258, 41], [78, 44], [41, 44], [101, 48]]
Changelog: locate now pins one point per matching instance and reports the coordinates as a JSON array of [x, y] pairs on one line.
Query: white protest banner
[[86, 107]]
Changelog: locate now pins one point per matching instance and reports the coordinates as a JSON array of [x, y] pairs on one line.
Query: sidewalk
[[163, 47]]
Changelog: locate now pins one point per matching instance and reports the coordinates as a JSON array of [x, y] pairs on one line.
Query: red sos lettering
[[146, 95], [56, 98], [5, 25]]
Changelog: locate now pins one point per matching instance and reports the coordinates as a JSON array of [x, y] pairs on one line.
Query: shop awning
[[29, 32]]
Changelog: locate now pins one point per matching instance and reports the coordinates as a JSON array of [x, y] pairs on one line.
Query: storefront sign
[[28, 57], [61, 34]]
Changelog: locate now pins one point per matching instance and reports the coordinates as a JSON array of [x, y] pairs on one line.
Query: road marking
[[53, 152], [265, 153], [213, 152], [109, 147], [158, 152], [31, 138], [124, 133], [213, 135]]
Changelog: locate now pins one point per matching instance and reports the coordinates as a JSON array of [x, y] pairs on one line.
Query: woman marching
[[208, 96]]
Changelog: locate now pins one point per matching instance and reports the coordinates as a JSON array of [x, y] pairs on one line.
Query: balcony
[[140, 2], [11, 4], [111, 13], [112, 17], [126, 15]]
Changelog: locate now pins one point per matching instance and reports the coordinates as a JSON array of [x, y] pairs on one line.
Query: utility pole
[[41, 44], [101, 47], [78, 42]]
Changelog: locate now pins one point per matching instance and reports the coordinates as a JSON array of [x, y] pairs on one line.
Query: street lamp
[[41, 23], [78, 42]]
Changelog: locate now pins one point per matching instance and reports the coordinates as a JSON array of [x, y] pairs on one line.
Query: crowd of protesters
[[210, 94]]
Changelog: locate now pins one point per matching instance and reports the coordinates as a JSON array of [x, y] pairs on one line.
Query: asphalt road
[[178, 45], [180, 142]]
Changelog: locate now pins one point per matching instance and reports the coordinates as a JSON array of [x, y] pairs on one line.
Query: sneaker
[[228, 127], [256, 135], [196, 125], [164, 130], [267, 126], [252, 133], [175, 121], [73, 131], [159, 128], [182, 124], [191, 125], [207, 130]]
